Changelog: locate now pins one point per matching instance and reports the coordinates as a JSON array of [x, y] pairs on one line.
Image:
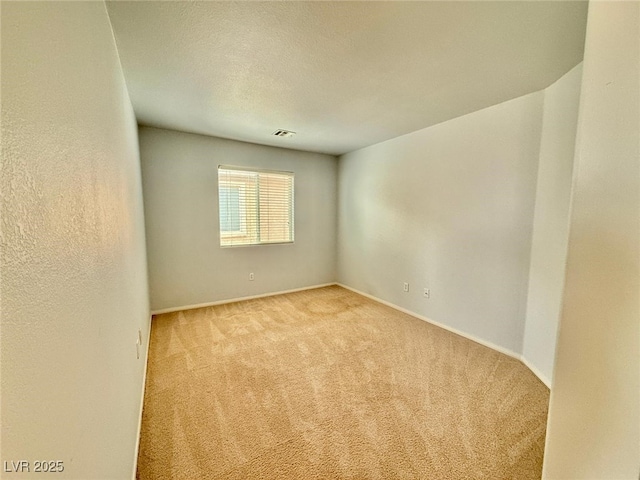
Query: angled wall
[[477, 210], [551, 223]]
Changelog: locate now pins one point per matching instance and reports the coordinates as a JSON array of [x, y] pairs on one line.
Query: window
[[230, 215], [256, 206]]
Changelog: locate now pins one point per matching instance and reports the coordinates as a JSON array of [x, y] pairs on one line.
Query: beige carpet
[[327, 384]]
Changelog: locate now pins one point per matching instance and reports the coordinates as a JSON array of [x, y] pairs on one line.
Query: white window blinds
[[256, 206]]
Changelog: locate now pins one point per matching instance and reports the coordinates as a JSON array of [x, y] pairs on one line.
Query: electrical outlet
[[251, 277], [405, 287], [426, 293]]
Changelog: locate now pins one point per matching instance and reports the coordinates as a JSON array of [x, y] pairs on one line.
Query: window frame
[[247, 232]]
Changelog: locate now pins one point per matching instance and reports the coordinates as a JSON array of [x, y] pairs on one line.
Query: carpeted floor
[[327, 384]]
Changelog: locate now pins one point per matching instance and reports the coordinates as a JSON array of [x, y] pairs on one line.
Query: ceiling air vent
[[284, 133]]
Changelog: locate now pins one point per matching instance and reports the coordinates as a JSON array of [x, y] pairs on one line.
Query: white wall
[[448, 207], [551, 222], [594, 419], [74, 287], [186, 264]]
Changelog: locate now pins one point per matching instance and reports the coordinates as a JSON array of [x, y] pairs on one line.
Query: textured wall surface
[[450, 208], [594, 417], [186, 264], [74, 287], [551, 222]]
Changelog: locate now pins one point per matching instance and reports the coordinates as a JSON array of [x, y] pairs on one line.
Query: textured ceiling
[[343, 75]]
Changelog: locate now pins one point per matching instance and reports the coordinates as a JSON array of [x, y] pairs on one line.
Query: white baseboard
[[239, 299], [144, 383], [468, 336], [542, 377]]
